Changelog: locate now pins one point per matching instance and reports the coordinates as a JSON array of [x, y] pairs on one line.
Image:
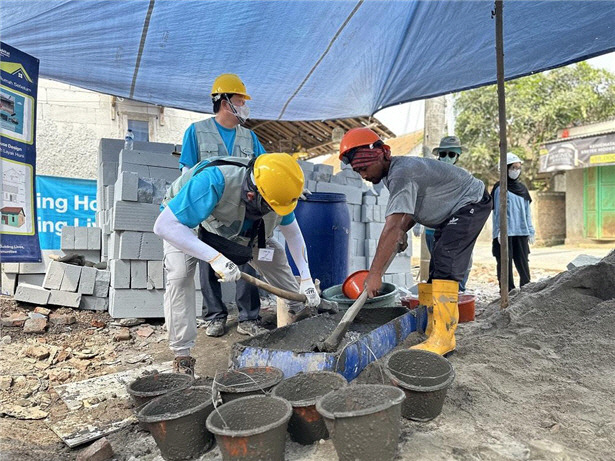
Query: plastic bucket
[[146, 388], [386, 299], [251, 428], [424, 377], [242, 382], [303, 390], [353, 285], [325, 223], [467, 306], [364, 421], [177, 422]]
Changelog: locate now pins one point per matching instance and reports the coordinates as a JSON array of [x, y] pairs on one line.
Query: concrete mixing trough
[[373, 334]]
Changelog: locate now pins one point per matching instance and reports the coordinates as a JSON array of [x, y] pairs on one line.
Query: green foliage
[[537, 106]]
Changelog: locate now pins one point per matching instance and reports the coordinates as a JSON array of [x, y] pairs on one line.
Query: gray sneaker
[[250, 328], [215, 327]]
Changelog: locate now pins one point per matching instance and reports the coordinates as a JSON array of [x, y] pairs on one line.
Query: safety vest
[[211, 143], [226, 219]]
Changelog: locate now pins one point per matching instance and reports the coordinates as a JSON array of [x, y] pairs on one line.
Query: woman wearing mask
[[520, 229]]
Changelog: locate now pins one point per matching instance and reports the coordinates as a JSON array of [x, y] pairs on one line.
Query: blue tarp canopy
[[300, 60]]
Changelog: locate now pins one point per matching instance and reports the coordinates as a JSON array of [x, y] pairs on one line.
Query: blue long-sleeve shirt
[[518, 212]]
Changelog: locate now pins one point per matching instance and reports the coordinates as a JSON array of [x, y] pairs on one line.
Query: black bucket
[[303, 390], [177, 423], [243, 382], [251, 428], [424, 377], [148, 387], [364, 421]]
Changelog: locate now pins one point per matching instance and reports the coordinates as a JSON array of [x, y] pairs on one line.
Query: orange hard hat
[[357, 137]]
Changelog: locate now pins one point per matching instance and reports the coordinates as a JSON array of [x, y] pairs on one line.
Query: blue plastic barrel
[[325, 223]]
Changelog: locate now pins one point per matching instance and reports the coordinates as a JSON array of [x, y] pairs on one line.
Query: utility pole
[[435, 129]]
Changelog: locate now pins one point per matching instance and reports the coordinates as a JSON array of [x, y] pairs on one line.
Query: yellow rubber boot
[[445, 318], [426, 299]]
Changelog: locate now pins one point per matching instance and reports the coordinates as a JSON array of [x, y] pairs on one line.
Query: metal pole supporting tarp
[[499, 52]]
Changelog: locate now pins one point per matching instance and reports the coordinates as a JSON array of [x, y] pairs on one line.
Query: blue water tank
[[324, 220]]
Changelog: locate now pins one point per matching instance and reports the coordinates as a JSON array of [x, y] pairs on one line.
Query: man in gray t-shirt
[[434, 194]]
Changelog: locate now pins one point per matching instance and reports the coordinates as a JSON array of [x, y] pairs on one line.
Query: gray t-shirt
[[429, 190]]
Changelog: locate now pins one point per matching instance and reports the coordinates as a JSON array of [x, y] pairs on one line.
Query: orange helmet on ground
[[357, 137]]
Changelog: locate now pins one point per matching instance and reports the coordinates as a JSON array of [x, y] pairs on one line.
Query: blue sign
[[18, 88], [63, 202]]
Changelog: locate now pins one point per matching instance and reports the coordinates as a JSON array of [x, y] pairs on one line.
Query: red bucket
[[353, 285], [467, 305]]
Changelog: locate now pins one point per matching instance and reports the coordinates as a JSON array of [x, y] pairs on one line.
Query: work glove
[[225, 268], [309, 290], [532, 239], [417, 230]]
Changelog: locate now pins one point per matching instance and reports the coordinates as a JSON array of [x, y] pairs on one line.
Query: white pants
[[179, 298]]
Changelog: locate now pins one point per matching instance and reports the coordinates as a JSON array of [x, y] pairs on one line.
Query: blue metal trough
[[374, 333]]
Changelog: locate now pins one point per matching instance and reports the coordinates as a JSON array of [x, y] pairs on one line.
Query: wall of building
[[549, 217], [574, 206], [71, 122]]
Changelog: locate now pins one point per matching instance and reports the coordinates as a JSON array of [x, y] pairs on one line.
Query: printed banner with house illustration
[[18, 87]]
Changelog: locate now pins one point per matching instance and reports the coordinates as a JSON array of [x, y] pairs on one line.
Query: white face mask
[[514, 174], [241, 112]]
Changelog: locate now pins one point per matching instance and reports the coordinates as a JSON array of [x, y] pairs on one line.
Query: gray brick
[[109, 196], [64, 298], [34, 268], [339, 179], [353, 195], [9, 283], [145, 191], [367, 213], [129, 244], [141, 170], [134, 216], [357, 263], [126, 186], [323, 168], [373, 230], [383, 198], [155, 275], [101, 285], [32, 279], [67, 241], [10, 268], [109, 150], [355, 181], [138, 274], [370, 248], [136, 303], [94, 238], [151, 247], [168, 174], [306, 166], [149, 159], [357, 230], [160, 189], [114, 246], [81, 238], [369, 199], [104, 250], [107, 173], [400, 264], [53, 277], [32, 294], [120, 273], [94, 303], [87, 280], [70, 280]]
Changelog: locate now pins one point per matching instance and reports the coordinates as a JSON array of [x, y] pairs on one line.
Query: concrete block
[[81, 238], [107, 173], [64, 298], [145, 190], [355, 181], [356, 263], [306, 166], [94, 238], [94, 303], [160, 189], [138, 274], [377, 214], [32, 294], [87, 280], [34, 268], [114, 246], [10, 268], [8, 283], [367, 213], [155, 275], [357, 230], [151, 247], [323, 168], [136, 303], [104, 250], [101, 284], [70, 280], [370, 246], [369, 199], [141, 170], [32, 279], [126, 186], [401, 264], [109, 196], [358, 247], [168, 174], [134, 216], [311, 185], [583, 260], [67, 240], [383, 198], [373, 230], [53, 277], [321, 176], [149, 159], [338, 179], [120, 273], [353, 194], [129, 244]]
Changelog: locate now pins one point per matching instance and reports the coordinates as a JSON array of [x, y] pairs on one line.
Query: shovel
[[334, 339]]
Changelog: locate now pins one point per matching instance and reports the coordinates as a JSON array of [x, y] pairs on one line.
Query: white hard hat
[[512, 158]]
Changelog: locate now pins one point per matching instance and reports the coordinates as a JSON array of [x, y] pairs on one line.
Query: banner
[[63, 202], [568, 154], [18, 88]]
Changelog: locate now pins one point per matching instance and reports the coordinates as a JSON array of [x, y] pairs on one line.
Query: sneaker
[[250, 328], [184, 365], [215, 327]]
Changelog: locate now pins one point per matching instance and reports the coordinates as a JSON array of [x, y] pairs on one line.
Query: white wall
[[71, 121]]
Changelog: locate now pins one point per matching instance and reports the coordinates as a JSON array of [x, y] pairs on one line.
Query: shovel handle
[[290, 295]]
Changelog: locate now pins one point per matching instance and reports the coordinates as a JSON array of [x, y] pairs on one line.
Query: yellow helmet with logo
[[229, 83], [279, 179]]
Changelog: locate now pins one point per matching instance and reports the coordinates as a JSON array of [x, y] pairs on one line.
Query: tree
[[537, 106]]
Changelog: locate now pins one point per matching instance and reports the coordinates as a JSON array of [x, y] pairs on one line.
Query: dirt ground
[[532, 383]]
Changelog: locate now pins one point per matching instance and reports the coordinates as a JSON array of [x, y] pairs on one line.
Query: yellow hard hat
[[229, 83], [279, 179]]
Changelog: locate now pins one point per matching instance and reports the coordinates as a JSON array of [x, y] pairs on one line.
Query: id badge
[[265, 254]]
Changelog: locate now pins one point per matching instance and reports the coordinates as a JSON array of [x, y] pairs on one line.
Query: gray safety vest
[[212, 145], [228, 216]]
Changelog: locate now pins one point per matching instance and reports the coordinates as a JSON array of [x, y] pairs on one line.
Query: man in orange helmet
[[437, 195]]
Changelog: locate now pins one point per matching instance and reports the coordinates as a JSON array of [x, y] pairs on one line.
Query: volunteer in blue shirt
[[223, 135], [520, 229], [238, 202]]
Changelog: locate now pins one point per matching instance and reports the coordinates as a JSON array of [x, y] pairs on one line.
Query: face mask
[[449, 160], [241, 112], [514, 174], [256, 208]]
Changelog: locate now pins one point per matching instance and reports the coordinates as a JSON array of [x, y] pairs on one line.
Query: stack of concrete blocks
[[131, 187], [13, 274], [84, 241]]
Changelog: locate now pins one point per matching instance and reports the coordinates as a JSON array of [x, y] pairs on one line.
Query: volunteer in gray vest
[[238, 202], [223, 135], [434, 194]]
